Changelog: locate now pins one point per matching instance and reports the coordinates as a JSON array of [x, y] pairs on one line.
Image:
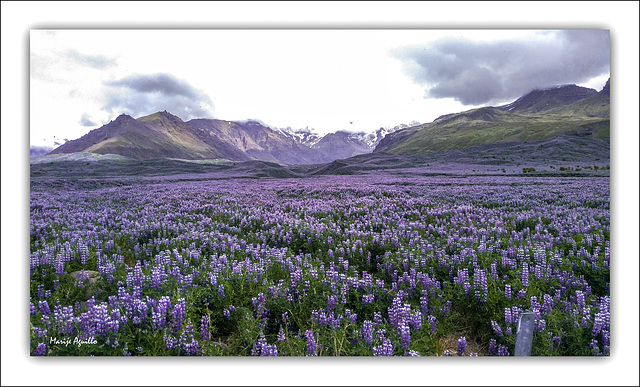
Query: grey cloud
[[85, 120], [95, 61], [139, 95], [476, 73]]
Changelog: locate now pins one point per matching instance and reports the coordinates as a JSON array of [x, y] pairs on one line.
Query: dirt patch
[[451, 343]]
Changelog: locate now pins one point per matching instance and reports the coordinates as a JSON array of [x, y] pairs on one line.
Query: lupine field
[[328, 266]]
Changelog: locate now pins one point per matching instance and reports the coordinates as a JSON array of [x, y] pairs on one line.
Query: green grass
[[488, 125], [462, 133]]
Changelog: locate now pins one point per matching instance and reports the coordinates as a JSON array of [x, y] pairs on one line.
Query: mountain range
[[164, 135], [564, 111]]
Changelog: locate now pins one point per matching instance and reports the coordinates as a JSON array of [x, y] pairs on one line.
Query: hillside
[[155, 136], [563, 111]]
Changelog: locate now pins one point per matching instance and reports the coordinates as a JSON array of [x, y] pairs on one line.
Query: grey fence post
[[524, 335]]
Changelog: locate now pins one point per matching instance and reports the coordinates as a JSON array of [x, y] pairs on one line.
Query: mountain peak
[[123, 118], [163, 115], [548, 98], [605, 89]]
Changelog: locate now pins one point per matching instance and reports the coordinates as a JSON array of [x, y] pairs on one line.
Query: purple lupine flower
[[462, 346], [178, 314], [556, 341], [547, 303], [496, 328], [170, 342], [157, 321], [157, 274], [138, 277], [606, 339], [502, 350], [59, 265], [46, 321], [40, 350], [508, 317], [507, 291], [86, 325], [424, 303], [260, 304], [580, 299], [204, 328], [384, 349], [221, 291], [281, 336], [481, 286], [522, 294], [467, 287], [32, 308], [43, 307], [493, 347], [331, 303], [311, 343], [541, 325], [40, 291], [367, 332], [113, 325], [63, 319], [515, 313], [261, 348], [433, 323], [187, 340], [494, 270], [377, 318], [164, 306], [41, 333], [100, 318], [415, 321], [353, 317], [82, 278], [405, 336], [446, 309], [534, 304], [411, 352], [269, 350], [595, 349]]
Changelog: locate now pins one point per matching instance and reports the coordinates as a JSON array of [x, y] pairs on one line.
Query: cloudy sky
[[324, 79]]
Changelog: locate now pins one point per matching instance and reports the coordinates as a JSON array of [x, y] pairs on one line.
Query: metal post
[[524, 335]]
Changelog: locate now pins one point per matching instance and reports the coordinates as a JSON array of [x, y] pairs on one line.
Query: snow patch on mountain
[[310, 138]]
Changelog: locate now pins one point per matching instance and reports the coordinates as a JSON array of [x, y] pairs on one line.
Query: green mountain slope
[[564, 111]]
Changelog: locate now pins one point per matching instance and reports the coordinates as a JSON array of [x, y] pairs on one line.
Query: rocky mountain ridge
[[164, 135]]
